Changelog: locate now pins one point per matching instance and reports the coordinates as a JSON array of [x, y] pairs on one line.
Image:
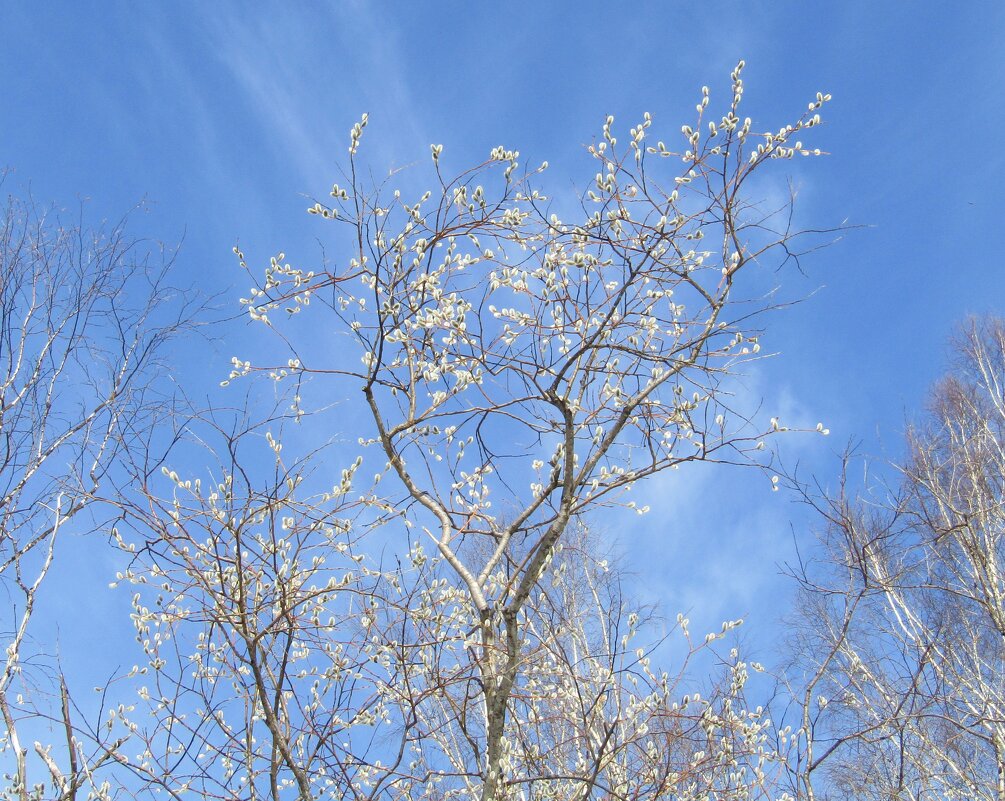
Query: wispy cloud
[[307, 80]]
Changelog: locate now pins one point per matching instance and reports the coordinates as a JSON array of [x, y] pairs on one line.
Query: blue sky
[[226, 116]]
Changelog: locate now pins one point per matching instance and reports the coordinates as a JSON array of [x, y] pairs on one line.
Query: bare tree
[[907, 674], [83, 320], [519, 370]]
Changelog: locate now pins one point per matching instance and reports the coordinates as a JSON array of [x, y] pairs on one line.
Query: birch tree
[[84, 316], [908, 674]]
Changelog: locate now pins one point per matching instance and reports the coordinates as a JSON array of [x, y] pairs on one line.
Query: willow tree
[[518, 369], [283, 659]]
